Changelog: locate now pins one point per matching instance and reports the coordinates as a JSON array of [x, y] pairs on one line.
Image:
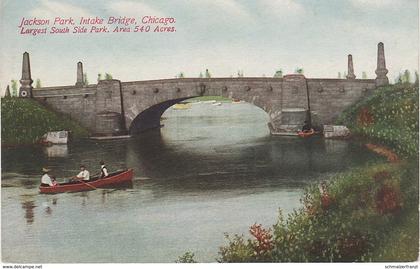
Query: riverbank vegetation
[[369, 213], [389, 117], [24, 121]]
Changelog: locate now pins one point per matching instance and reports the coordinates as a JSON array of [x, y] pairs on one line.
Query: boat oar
[[90, 185]]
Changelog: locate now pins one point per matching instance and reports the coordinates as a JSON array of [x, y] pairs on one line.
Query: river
[[210, 170]]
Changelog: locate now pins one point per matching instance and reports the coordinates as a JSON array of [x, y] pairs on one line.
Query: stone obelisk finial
[[350, 69], [79, 81], [381, 71], [7, 92], [26, 80]]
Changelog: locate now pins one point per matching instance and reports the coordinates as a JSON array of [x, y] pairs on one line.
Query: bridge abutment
[[109, 109]]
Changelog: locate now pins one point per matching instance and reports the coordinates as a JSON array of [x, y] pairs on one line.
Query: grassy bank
[[24, 121], [389, 117], [365, 214]]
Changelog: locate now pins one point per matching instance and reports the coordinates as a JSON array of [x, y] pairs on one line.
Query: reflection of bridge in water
[[265, 162], [113, 107]]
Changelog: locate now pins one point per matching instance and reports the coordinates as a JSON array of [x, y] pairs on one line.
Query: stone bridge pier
[[112, 107]]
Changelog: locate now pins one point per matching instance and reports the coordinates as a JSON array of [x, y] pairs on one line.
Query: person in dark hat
[[104, 171]]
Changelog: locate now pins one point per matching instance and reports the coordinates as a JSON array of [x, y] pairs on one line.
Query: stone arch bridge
[[112, 107]]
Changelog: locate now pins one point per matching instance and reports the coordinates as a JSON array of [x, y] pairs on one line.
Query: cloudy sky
[[224, 36]]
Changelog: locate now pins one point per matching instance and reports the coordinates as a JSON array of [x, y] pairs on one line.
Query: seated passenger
[[46, 179], [104, 171]]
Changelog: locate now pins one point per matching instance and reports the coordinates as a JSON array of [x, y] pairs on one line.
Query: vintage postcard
[[234, 131]]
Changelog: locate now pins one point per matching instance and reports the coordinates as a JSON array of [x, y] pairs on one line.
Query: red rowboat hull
[[113, 179], [306, 134]]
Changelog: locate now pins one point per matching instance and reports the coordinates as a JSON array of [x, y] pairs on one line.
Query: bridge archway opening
[[212, 110]]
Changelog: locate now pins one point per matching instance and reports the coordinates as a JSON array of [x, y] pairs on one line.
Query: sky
[[224, 36]]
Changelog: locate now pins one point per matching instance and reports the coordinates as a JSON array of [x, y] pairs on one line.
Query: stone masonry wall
[[77, 102], [328, 98]]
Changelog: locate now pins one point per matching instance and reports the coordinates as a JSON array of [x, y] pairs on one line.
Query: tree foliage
[[207, 74], [38, 83], [299, 70], [278, 73], [85, 79], [364, 75], [108, 76], [14, 87]]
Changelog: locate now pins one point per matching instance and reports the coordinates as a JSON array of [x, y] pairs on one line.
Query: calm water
[[211, 170]]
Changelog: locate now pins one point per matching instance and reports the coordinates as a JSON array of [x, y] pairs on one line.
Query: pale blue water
[[211, 170]]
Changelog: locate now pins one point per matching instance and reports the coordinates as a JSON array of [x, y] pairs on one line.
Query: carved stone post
[[25, 89], [381, 71], [350, 69], [80, 81]]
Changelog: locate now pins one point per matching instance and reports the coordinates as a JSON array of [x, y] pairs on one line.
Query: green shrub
[[25, 121], [347, 218], [187, 257]]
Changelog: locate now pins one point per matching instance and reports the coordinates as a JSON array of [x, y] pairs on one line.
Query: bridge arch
[[150, 118]]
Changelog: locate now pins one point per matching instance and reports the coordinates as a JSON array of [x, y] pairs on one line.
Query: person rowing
[[83, 175], [307, 127]]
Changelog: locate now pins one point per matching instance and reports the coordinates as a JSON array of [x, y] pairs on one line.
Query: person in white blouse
[[46, 179], [83, 175]]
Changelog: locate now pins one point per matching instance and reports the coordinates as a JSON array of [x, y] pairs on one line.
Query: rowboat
[[113, 179], [306, 134]]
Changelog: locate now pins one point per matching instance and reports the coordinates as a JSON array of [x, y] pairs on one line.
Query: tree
[[108, 76], [398, 79], [299, 70], [406, 77], [99, 77], [278, 74], [339, 75], [240, 73], [364, 75], [208, 75], [181, 75], [85, 79], [38, 83], [416, 74], [14, 87], [201, 75]]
